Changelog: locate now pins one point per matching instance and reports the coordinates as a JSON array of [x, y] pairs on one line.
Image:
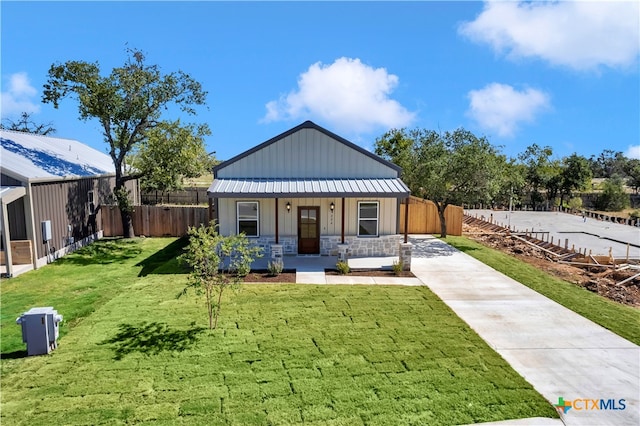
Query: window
[[368, 218], [247, 216], [90, 202]]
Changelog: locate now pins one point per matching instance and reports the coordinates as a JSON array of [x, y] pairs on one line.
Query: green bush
[[397, 267], [275, 267], [342, 267], [613, 197]]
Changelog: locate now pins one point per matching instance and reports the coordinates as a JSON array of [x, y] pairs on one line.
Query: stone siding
[[385, 245]]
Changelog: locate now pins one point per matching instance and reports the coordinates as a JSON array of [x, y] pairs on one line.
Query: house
[[308, 191], [51, 185]]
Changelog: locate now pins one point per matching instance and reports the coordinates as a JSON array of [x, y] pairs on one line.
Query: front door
[[309, 230]]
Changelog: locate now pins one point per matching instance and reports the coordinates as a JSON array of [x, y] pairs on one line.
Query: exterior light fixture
[[288, 206], [332, 206]]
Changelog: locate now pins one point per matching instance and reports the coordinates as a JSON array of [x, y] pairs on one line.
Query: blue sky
[[562, 74]]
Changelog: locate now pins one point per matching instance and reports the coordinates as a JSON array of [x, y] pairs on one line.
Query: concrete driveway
[[562, 354], [591, 235]]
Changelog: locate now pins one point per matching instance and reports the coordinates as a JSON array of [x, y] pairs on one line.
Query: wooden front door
[[309, 230]]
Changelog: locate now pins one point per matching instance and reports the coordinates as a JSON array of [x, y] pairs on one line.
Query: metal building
[[310, 191], [44, 178]]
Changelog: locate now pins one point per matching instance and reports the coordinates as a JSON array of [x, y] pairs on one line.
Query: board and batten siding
[[67, 203], [307, 153], [330, 223]]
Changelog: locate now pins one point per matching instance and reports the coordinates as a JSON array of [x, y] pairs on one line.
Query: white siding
[[329, 222], [307, 153]]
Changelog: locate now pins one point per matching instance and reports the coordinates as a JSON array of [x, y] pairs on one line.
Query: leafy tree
[[169, 154], [218, 263], [575, 175], [537, 160], [25, 124], [613, 197], [450, 168], [632, 170], [512, 188], [128, 103], [553, 180], [608, 164]]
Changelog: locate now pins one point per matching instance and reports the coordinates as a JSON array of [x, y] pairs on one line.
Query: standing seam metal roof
[[33, 156], [273, 187]]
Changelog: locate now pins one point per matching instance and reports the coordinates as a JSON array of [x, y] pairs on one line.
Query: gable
[[30, 156], [307, 151]]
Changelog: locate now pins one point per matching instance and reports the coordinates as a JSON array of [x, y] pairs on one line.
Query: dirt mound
[[596, 279]]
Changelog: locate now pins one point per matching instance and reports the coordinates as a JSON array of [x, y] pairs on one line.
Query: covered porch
[[313, 216]]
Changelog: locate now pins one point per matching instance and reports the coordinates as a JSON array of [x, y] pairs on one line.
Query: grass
[[284, 354], [620, 319]]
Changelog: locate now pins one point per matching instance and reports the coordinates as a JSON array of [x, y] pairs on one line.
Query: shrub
[[342, 267], [397, 267], [613, 197], [275, 268], [635, 215]]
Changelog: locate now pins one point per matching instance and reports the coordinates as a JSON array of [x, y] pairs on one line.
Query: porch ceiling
[[303, 188]]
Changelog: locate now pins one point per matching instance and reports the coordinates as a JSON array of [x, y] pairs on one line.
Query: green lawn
[[284, 354], [622, 320]]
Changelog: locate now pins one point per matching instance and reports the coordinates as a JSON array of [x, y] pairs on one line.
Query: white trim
[[377, 219], [257, 219]]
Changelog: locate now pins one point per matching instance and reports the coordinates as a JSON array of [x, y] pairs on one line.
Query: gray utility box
[[40, 330]]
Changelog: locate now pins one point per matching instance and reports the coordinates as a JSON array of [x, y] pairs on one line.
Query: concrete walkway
[[562, 354]]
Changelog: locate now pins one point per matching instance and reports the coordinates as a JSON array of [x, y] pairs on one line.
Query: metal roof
[[30, 156], [299, 188]]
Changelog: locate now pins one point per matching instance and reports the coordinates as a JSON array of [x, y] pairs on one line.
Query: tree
[[128, 103], [632, 170], [512, 183], [553, 181], [169, 154], [25, 124], [218, 263], [450, 168], [608, 164], [575, 175], [613, 197], [537, 160]]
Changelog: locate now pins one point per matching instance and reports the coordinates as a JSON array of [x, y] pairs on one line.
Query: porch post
[[6, 240], [342, 222], [277, 236], [406, 220]]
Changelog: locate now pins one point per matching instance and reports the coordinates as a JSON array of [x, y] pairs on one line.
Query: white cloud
[[18, 95], [580, 35], [349, 95], [501, 108], [633, 152]]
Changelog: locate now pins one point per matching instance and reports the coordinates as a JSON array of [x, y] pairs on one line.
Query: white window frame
[[377, 219], [257, 219], [91, 202]]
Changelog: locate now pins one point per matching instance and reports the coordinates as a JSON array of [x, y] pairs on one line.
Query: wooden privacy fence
[[188, 196], [155, 221], [424, 219]]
